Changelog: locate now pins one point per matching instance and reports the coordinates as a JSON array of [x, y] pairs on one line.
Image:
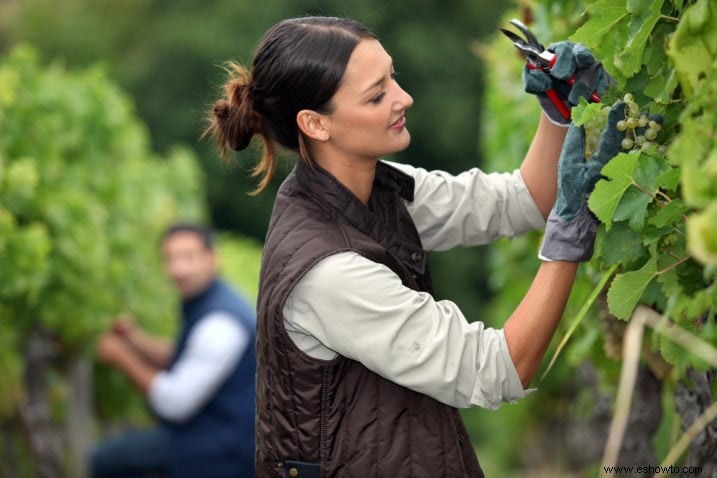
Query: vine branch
[[673, 265], [669, 18]]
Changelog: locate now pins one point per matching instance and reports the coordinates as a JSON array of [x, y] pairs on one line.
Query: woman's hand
[[572, 61], [570, 230]]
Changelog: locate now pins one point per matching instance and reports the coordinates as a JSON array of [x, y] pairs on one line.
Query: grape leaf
[[649, 169], [644, 15], [633, 203], [620, 245], [584, 112], [669, 214], [606, 30], [660, 89], [694, 44], [699, 185], [669, 179], [702, 235], [633, 207], [607, 194], [626, 289], [674, 354]]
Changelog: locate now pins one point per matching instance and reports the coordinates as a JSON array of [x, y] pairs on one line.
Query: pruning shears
[[537, 57]]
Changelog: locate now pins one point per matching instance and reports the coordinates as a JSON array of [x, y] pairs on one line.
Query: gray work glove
[[570, 230], [571, 59]]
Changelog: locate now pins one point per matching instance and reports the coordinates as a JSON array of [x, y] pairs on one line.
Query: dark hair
[[205, 234], [298, 64]]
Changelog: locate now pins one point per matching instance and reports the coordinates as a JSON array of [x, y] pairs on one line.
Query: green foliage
[[664, 199], [658, 206], [168, 56], [626, 290], [240, 262], [82, 202]]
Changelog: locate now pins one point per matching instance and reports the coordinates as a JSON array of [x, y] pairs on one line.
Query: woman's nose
[[404, 99]]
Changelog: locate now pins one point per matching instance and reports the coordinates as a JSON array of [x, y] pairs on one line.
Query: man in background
[[201, 387]]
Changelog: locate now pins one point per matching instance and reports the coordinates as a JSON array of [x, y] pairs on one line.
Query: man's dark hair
[[205, 234]]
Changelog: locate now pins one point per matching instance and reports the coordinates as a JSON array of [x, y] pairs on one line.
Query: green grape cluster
[[593, 129], [640, 130]]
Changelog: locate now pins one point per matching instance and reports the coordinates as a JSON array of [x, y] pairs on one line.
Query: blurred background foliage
[[168, 56], [139, 75]]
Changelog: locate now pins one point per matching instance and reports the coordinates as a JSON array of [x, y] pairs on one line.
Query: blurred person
[[201, 387], [360, 370]]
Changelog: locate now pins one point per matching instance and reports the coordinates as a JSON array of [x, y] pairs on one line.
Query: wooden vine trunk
[[35, 413]]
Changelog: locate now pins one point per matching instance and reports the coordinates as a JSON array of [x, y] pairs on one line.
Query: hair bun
[[221, 110], [235, 120]]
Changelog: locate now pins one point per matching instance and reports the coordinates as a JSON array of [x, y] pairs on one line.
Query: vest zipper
[[323, 426]]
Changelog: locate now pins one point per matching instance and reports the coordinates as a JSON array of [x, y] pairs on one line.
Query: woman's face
[[368, 119]]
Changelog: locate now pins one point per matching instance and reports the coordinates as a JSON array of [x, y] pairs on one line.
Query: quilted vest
[[337, 418]]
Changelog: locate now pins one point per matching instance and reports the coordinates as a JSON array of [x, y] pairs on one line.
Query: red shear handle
[[594, 98], [554, 97], [558, 102]]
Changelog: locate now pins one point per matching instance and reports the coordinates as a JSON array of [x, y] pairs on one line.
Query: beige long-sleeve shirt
[[351, 306]]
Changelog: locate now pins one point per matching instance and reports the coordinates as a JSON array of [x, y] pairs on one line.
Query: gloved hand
[[571, 227], [571, 59]]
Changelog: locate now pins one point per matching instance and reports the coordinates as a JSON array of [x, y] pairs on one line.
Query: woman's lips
[[399, 123]]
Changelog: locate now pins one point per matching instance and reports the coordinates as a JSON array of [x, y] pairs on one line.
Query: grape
[[654, 125], [635, 139]]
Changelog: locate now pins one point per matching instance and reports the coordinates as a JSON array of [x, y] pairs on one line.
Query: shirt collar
[[390, 184]]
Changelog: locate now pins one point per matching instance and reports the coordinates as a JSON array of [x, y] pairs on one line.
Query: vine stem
[[677, 334], [642, 188], [673, 265], [669, 18], [632, 344], [665, 196], [664, 203], [579, 317], [690, 434]]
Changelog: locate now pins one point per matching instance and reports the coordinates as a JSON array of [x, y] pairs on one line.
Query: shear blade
[[512, 36], [530, 37]]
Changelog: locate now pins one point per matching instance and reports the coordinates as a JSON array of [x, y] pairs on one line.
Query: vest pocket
[[301, 469]]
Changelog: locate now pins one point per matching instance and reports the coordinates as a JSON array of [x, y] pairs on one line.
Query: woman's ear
[[313, 125]]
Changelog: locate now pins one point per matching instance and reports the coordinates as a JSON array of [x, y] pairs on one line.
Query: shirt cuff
[[507, 387]]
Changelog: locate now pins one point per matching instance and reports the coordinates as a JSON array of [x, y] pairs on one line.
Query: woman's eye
[[377, 99]]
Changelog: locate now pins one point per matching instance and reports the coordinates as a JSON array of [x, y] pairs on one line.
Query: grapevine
[[81, 199], [657, 200]]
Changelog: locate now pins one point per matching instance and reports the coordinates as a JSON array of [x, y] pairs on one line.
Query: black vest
[[337, 414]]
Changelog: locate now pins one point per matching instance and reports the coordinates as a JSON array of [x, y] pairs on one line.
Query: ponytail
[[233, 122]]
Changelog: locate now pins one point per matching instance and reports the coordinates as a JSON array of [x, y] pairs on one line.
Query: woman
[[360, 369]]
